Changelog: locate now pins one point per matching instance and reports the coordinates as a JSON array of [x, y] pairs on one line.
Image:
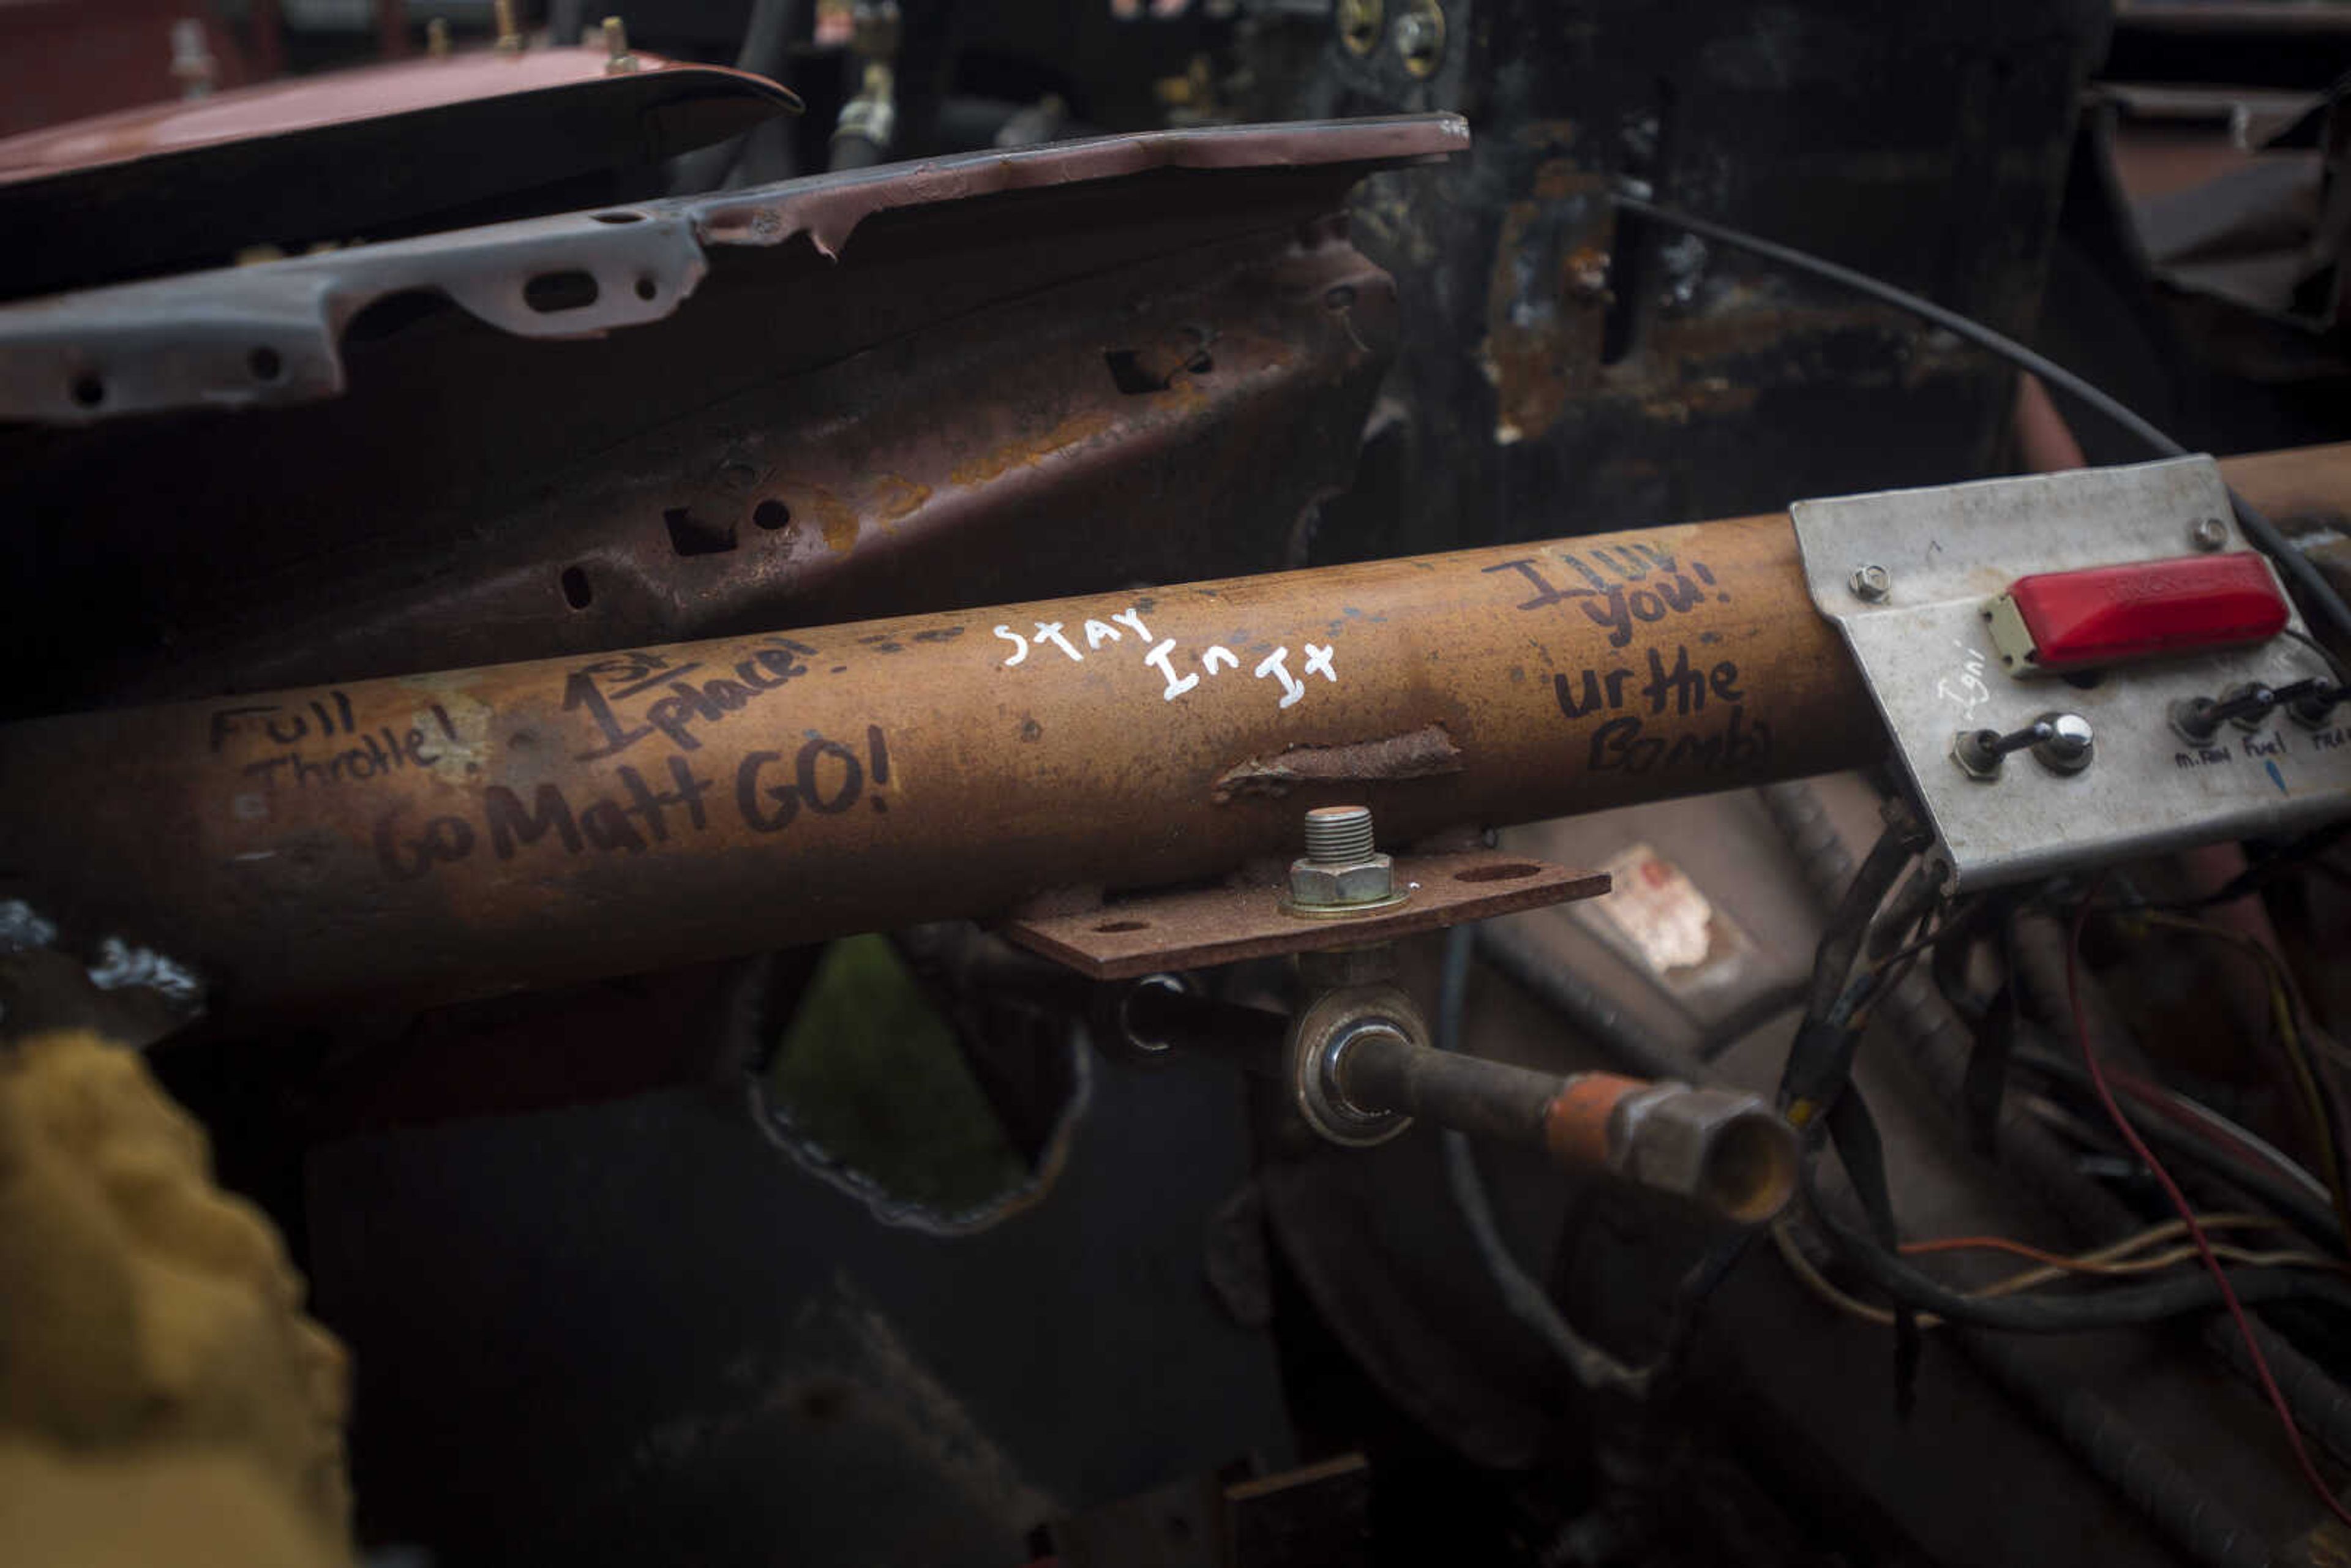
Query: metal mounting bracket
[[1148, 933]]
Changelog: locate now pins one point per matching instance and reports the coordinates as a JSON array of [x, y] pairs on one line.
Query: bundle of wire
[[1864, 953]]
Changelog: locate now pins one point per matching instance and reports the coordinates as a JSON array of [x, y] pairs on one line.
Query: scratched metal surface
[[1194, 929], [1932, 673], [476, 830]]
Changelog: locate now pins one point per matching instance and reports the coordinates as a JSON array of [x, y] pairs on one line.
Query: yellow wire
[[2282, 1011], [2113, 1259]]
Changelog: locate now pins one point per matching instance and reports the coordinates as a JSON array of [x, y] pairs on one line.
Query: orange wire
[[1990, 1244]]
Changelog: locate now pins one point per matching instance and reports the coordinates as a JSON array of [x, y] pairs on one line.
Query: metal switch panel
[[1907, 575]]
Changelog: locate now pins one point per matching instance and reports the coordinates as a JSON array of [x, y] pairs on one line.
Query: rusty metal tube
[[472, 832], [1726, 1152]]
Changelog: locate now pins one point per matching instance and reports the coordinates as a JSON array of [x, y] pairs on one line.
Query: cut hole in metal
[[1127, 373], [689, 535], [551, 292], [1509, 871], [1111, 926], [771, 515], [871, 1088], [575, 591], [88, 391], [620, 218], [266, 363], [647, 288]]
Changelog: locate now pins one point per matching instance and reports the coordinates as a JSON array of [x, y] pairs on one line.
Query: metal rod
[[457, 834]]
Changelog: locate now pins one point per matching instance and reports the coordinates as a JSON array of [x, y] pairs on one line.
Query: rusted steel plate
[[1192, 930]]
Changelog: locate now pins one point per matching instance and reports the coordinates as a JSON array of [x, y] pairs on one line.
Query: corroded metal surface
[[190, 342], [478, 830], [1201, 926], [1023, 376]]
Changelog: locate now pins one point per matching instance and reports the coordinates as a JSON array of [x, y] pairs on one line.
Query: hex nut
[[2207, 534], [1316, 885], [1725, 1150], [1871, 584]]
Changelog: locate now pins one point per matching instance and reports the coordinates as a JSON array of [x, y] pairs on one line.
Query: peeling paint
[[1422, 753]]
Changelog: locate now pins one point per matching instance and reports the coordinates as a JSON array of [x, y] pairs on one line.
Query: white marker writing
[[1129, 618], [1219, 651], [1096, 633], [1273, 664], [1160, 657], [1050, 632], [1318, 662], [1010, 635]]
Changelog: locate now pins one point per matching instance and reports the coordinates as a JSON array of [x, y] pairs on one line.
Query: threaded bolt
[[1337, 834]]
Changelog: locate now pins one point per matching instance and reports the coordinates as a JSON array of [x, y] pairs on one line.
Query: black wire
[[2254, 879], [2312, 1216], [2115, 1307], [2334, 665], [1526, 1300], [2315, 590]]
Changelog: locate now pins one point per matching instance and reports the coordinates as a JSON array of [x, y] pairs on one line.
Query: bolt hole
[[1111, 926], [620, 218], [2083, 680], [577, 593], [553, 292], [771, 515], [1508, 871], [1128, 373], [647, 288], [265, 363], [88, 391]]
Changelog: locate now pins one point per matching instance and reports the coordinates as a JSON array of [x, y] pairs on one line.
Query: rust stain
[[1027, 450], [1545, 301], [835, 518], [1422, 753], [897, 498]]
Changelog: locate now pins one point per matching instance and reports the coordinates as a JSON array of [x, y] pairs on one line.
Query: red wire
[[2187, 1217]]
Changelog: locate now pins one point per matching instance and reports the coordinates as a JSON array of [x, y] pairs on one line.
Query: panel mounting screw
[[501, 21], [1420, 37], [1872, 583], [1359, 24], [436, 37], [2208, 534]]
